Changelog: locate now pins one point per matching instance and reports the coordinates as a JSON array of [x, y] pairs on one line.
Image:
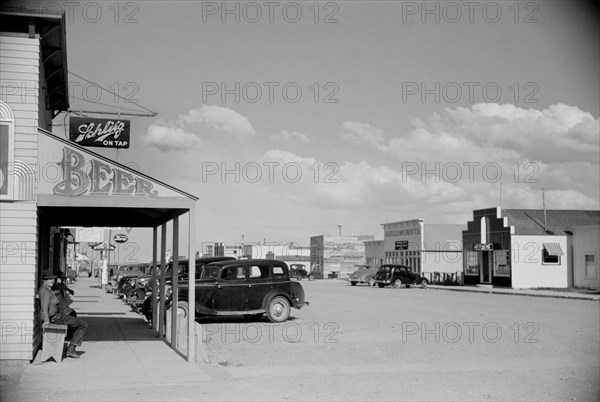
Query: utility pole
[[544, 207], [500, 194], [340, 230]]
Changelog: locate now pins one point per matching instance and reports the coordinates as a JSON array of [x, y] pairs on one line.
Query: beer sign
[[103, 133]]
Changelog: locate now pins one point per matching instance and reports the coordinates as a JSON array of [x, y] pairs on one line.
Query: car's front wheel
[[397, 283], [183, 309], [380, 285], [353, 283], [424, 283], [278, 309]]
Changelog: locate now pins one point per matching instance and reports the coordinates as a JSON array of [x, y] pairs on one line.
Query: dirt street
[[361, 343]]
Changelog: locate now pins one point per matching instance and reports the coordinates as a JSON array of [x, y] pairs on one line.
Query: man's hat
[[49, 276]]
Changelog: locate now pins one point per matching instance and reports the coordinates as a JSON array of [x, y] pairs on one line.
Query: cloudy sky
[[288, 119]]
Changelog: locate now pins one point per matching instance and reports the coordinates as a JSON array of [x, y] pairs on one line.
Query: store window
[[591, 270], [472, 263], [551, 253], [501, 263]]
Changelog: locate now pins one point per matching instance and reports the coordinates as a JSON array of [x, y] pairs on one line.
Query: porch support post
[[175, 283], [191, 357], [154, 289], [163, 277]]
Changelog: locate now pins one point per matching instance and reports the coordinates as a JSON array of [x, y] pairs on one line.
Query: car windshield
[[210, 272]]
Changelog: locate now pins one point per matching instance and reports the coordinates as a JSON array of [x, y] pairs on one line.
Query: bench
[[53, 341]]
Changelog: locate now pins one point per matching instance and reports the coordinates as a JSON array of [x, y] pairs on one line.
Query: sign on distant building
[[89, 235], [401, 245], [483, 246], [104, 133]]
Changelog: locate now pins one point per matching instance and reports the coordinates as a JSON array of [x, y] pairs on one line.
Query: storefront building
[[425, 248], [374, 254], [47, 182], [524, 248], [336, 256]]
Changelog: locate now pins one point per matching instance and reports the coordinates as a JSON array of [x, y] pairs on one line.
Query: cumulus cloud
[[362, 134], [504, 133], [167, 138], [220, 118], [467, 158], [560, 133], [184, 133], [349, 185], [285, 135]]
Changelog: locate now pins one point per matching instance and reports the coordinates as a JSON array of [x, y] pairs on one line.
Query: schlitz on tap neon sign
[[104, 133]]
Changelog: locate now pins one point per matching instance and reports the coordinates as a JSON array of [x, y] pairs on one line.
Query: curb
[[513, 293]]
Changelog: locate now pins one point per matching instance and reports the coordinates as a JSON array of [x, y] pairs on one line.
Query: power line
[[151, 113]]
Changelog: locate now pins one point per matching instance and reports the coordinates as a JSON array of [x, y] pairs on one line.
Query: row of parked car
[[224, 286], [387, 275]]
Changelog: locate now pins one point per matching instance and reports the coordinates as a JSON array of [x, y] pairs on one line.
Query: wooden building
[[47, 182]]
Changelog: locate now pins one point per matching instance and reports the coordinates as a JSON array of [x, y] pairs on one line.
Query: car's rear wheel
[[380, 285], [371, 282], [397, 283], [424, 283], [278, 309], [353, 283]]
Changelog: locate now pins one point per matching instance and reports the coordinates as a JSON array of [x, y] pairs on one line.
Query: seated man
[[52, 313], [63, 294]]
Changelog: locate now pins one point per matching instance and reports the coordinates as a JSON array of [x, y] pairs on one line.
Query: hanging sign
[[104, 133], [483, 246], [120, 238]]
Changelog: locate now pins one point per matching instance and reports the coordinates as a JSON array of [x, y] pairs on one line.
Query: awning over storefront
[[86, 189], [553, 249], [80, 188]]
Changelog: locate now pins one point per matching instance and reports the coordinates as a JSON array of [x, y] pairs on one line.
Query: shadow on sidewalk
[[116, 328]]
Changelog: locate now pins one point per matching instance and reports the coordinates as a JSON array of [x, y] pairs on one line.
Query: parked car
[[364, 274], [244, 287], [298, 271], [183, 273], [125, 281], [183, 270], [398, 275], [71, 275]]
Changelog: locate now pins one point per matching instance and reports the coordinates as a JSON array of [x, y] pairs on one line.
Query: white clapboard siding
[[20, 70], [26, 293], [15, 265], [18, 271], [23, 334], [18, 237], [17, 276], [4, 299], [16, 310]]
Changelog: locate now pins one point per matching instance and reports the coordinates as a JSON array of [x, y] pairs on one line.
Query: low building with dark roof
[[530, 248]]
